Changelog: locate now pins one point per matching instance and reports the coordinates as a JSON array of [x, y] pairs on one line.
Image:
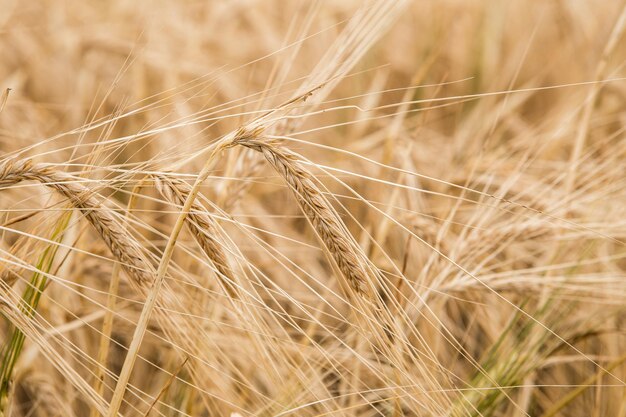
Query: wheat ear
[[202, 226], [317, 209], [121, 244]]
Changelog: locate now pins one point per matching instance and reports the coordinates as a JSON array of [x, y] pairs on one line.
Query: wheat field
[[313, 208]]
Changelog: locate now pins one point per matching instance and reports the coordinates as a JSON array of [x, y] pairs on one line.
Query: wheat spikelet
[[201, 225], [121, 244], [317, 209]]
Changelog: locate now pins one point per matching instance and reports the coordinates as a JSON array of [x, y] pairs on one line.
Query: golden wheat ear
[[318, 210], [122, 244], [202, 226], [360, 278]]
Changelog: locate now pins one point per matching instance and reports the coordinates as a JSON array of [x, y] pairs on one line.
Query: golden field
[[313, 208]]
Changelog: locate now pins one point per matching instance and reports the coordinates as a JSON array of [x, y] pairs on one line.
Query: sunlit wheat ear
[[319, 211], [202, 226], [122, 245]]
